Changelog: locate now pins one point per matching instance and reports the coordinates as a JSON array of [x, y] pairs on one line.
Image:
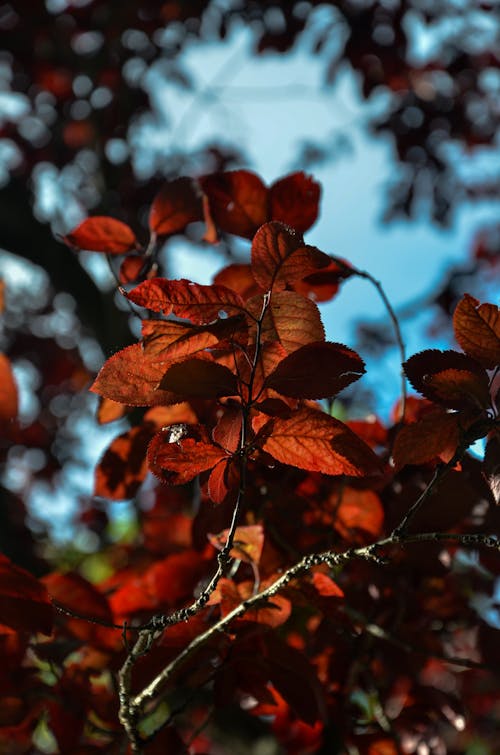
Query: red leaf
[[326, 586], [199, 378], [176, 204], [229, 595], [8, 392], [279, 257], [130, 377], [448, 378], [103, 234], [123, 466], [477, 330], [220, 482], [238, 201], [313, 440], [24, 602], [172, 340], [317, 370], [180, 452], [201, 304], [358, 510], [294, 200], [227, 431], [436, 435], [76, 594]]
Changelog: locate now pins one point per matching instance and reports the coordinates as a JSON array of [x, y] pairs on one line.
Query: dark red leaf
[[322, 285], [176, 204], [227, 431], [199, 378], [294, 200], [317, 370], [436, 435], [491, 465], [103, 234], [326, 586], [358, 510], [123, 466], [477, 330], [24, 602], [449, 378], [239, 278], [180, 452], [238, 201]]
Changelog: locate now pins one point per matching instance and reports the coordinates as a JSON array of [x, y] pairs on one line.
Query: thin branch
[[397, 331], [330, 558]]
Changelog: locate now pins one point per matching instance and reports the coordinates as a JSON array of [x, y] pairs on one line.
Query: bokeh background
[[393, 106]]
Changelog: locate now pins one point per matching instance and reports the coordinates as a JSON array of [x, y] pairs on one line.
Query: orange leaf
[[326, 586], [199, 378], [239, 278], [176, 204], [130, 377], [238, 201], [477, 330], [201, 304], [448, 378], [317, 370], [109, 411], [313, 440], [24, 602], [294, 200], [103, 234], [227, 431], [290, 320], [248, 542], [279, 257], [358, 510], [436, 435], [180, 452], [8, 392]]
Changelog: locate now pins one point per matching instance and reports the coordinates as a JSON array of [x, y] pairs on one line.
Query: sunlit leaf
[[8, 392], [123, 466], [313, 440], [280, 257], [130, 377], [102, 234], [358, 510], [201, 304]]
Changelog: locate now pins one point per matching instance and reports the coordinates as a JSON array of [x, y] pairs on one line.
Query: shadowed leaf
[[238, 201], [179, 453], [176, 204], [294, 200], [24, 602], [448, 378], [200, 378], [477, 330]]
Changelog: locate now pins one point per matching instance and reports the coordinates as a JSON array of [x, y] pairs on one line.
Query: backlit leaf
[[176, 204], [130, 377], [102, 234], [448, 378], [8, 392], [238, 201], [436, 435], [477, 330], [317, 370], [201, 304], [280, 257], [326, 586], [239, 278], [248, 542], [180, 452], [199, 378], [172, 340], [323, 284], [313, 440], [227, 431], [109, 410], [358, 510], [294, 200], [24, 602], [290, 320]]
